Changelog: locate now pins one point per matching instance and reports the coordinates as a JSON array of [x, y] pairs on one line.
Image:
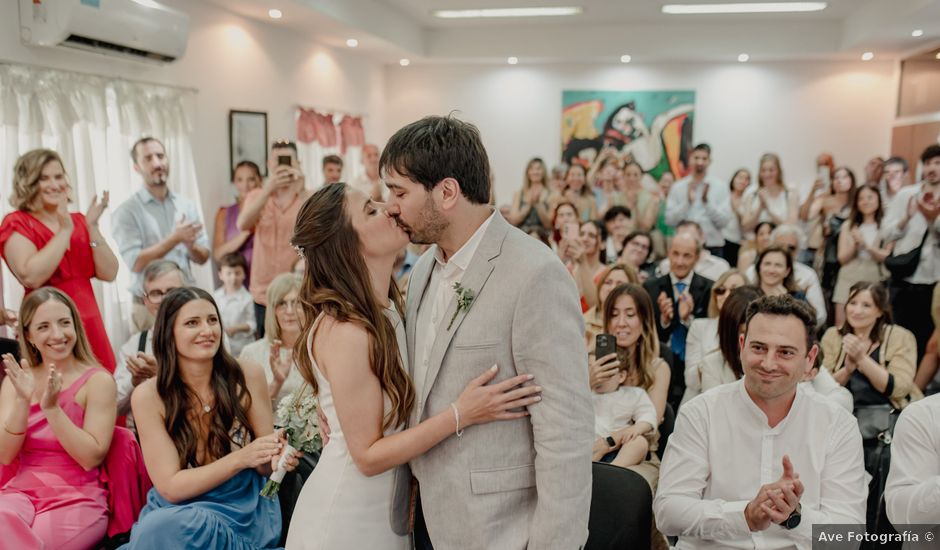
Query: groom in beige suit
[[506, 485]]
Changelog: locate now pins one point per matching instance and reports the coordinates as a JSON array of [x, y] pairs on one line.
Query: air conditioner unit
[[144, 30]]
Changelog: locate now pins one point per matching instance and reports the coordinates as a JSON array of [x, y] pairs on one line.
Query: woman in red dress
[[43, 244]]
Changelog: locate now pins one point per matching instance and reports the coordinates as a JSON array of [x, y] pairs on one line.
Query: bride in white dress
[[355, 361]]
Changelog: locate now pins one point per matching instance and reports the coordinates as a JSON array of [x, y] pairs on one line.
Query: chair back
[[621, 509]]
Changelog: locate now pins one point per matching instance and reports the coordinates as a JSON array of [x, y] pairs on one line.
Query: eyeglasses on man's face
[[156, 295]]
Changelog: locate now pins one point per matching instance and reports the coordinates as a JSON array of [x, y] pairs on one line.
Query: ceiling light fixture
[[352, 43], [743, 58], [744, 7], [938, 55], [512, 60], [508, 12], [404, 62], [917, 33], [275, 14], [868, 56], [625, 58]]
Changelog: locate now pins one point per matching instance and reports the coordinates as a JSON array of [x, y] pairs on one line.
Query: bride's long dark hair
[[337, 282]]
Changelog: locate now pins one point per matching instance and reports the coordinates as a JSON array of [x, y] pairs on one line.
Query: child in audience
[[235, 302], [623, 416]]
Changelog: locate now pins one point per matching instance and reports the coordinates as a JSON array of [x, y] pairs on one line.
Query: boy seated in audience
[[236, 306], [332, 169], [623, 418]]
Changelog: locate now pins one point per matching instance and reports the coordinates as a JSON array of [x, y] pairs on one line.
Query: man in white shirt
[[708, 265], [758, 462], [135, 362], [788, 237], [912, 493], [912, 222], [701, 198]]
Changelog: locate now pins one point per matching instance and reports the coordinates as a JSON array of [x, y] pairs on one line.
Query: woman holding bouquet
[[350, 355], [207, 437]]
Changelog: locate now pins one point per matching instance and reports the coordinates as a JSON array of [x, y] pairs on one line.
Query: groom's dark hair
[[438, 147]]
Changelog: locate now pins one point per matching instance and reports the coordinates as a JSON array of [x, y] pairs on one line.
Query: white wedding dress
[[339, 507]]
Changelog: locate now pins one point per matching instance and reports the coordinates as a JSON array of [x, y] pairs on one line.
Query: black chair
[[665, 429], [621, 509], [290, 490]]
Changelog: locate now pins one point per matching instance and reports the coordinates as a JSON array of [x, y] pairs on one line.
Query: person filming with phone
[[271, 212]]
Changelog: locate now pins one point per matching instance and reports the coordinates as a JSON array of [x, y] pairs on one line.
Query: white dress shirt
[[723, 450], [237, 308], [701, 341], [909, 238], [912, 493], [620, 408], [708, 266], [807, 279], [712, 215], [437, 297], [122, 376]]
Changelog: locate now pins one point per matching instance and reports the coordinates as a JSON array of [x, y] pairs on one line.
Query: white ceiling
[[390, 29]]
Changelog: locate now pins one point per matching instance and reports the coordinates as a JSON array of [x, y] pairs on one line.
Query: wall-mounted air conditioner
[[139, 29]]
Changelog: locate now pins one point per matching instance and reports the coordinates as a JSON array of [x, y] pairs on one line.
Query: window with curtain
[[92, 122]]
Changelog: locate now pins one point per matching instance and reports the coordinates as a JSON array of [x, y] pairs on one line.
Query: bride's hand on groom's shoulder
[[481, 402]]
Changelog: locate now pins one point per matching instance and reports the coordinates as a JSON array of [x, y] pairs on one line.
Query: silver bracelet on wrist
[[458, 431]]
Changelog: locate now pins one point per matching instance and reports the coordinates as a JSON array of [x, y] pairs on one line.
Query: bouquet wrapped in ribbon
[[297, 416]]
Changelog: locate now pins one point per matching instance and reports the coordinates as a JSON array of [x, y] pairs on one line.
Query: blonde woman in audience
[[57, 407], [605, 179], [748, 253], [861, 251], [530, 204], [46, 245], [734, 236], [274, 351], [642, 203], [579, 193], [609, 279], [207, 436], [703, 337], [227, 238], [628, 316], [770, 200]]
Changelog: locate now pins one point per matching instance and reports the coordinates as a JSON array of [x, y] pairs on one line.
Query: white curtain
[[311, 157], [92, 122]]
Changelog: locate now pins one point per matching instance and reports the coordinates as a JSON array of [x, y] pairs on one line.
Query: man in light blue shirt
[[702, 199], [156, 223]]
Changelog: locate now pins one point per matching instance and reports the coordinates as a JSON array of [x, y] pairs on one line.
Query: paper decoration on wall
[[652, 128]]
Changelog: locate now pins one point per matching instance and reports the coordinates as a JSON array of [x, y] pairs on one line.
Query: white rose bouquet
[[297, 416]]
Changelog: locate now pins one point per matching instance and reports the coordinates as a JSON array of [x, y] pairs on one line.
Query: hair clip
[[299, 250]]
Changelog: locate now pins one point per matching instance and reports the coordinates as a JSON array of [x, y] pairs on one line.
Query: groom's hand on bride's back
[[481, 402], [324, 426]]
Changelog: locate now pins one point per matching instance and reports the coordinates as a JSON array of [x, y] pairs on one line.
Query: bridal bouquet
[[297, 415]]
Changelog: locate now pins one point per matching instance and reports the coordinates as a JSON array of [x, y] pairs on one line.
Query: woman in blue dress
[[206, 431]]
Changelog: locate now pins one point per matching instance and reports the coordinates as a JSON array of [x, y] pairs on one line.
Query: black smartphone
[[604, 345], [285, 160]]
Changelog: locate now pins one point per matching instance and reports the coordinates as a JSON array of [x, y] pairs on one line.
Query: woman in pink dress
[[57, 409], [43, 244]]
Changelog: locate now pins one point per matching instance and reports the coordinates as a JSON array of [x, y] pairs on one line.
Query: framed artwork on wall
[[248, 139]]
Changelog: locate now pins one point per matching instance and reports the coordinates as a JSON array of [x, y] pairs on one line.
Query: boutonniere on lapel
[[464, 299]]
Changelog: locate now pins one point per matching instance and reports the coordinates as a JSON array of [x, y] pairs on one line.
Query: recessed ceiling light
[[508, 12], [275, 14], [404, 62], [743, 58], [512, 60], [938, 55], [917, 33], [352, 42], [744, 7], [625, 58], [868, 56]]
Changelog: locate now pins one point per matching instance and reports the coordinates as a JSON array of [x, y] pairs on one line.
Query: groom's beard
[[429, 228]]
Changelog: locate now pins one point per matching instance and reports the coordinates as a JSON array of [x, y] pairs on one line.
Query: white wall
[[234, 63], [742, 110]]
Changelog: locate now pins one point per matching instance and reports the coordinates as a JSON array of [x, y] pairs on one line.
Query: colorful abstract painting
[[652, 128]]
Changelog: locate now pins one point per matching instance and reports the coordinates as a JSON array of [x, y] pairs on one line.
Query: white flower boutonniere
[[464, 299]]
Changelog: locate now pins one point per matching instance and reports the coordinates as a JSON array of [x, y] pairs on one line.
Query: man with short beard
[[756, 463], [486, 294], [156, 223]]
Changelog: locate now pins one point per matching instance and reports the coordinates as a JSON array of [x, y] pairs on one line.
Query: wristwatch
[[611, 442], [793, 521]]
